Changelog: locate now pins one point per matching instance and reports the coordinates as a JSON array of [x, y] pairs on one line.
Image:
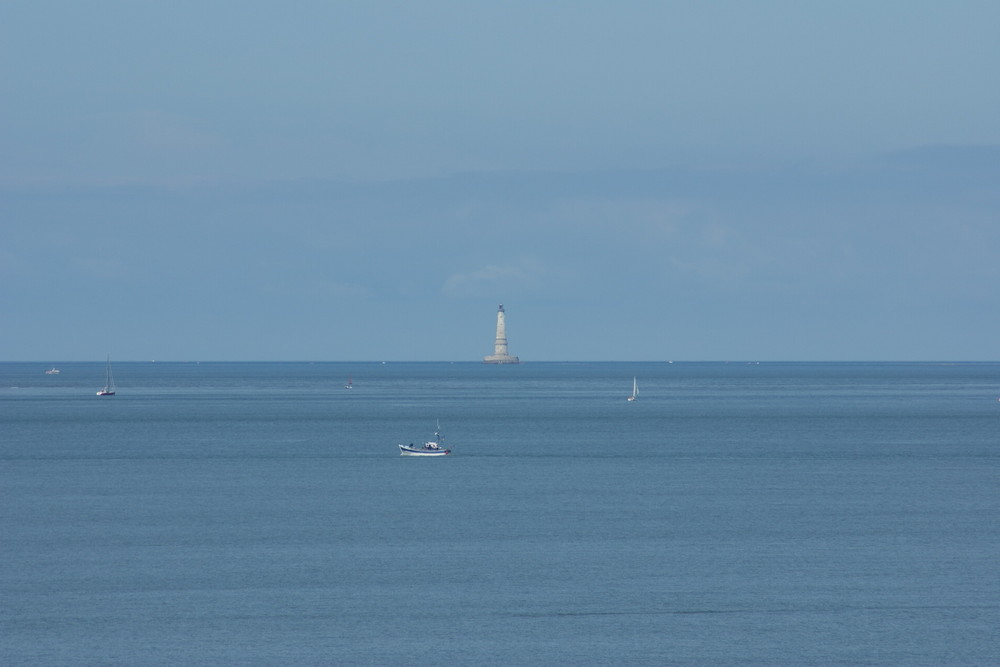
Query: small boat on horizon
[[433, 447], [635, 390], [109, 383], [350, 383], [52, 371]]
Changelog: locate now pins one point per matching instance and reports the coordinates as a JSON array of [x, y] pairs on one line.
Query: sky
[[647, 181]]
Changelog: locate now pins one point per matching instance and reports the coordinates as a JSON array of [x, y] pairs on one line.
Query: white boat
[[52, 371], [635, 390], [109, 383], [349, 385], [433, 447]]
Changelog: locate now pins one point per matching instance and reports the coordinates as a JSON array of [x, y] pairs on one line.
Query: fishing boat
[[109, 383], [433, 447], [635, 390], [52, 371]]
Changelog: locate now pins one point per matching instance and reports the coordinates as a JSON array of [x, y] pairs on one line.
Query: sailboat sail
[[635, 390], [109, 383]]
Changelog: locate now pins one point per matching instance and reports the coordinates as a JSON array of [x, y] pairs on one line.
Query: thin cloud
[[488, 280]]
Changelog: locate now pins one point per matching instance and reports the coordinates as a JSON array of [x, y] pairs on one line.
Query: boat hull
[[405, 450]]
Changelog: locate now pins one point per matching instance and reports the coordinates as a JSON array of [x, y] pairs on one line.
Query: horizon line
[[540, 361]]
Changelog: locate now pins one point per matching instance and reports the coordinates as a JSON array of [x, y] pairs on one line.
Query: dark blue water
[[735, 514]]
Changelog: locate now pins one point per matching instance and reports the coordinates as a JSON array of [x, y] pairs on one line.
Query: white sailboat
[[635, 390], [350, 383], [109, 383]]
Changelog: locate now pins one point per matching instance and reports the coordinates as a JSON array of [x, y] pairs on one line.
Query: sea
[[734, 514]]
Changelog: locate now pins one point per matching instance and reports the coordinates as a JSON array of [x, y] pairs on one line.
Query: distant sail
[[109, 382]]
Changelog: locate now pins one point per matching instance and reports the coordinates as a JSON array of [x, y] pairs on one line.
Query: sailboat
[[349, 385], [635, 390], [109, 383]]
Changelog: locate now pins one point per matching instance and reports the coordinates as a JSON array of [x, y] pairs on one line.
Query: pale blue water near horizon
[[260, 513]]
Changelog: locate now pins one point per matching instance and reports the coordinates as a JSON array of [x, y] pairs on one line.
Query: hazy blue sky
[[368, 180]]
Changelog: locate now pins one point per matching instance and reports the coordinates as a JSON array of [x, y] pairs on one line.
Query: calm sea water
[[260, 513]]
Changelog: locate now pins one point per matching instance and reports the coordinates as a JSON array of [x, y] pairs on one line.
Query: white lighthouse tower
[[500, 355]]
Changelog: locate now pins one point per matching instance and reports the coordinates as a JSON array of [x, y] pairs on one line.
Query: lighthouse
[[500, 355]]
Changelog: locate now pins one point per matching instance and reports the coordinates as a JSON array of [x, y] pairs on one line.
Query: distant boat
[[433, 447], [349, 385], [635, 390], [109, 383], [52, 371]]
